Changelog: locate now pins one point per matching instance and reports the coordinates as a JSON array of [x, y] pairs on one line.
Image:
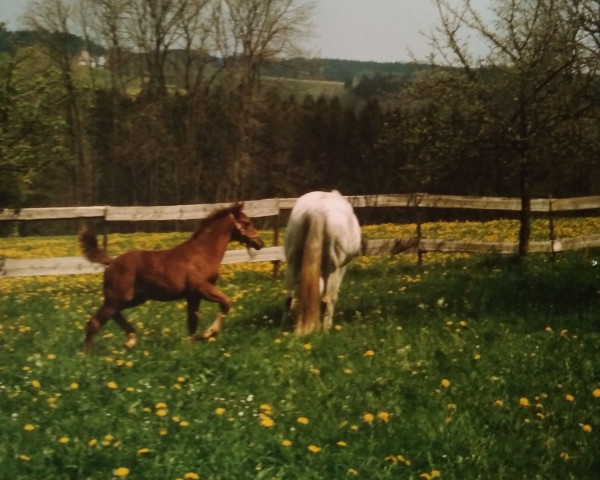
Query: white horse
[[321, 238]]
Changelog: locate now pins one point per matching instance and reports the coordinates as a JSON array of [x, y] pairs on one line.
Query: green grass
[[482, 368]]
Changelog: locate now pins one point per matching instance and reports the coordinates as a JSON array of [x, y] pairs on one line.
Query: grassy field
[[462, 368]]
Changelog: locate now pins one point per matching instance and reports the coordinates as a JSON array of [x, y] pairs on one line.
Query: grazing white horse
[[321, 238]]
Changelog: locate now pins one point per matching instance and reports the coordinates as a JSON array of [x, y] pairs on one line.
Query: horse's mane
[[217, 215]]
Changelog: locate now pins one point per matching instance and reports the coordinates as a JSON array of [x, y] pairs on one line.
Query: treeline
[[146, 129]]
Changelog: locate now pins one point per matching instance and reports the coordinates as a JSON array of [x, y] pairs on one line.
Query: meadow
[[464, 367]]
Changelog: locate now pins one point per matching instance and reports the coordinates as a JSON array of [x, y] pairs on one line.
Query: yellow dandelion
[[596, 393], [163, 431], [315, 371], [499, 403], [286, 443], [307, 346], [435, 474], [111, 385], [161, 412], [524, 402], [564, 456], [369, 353], [569, 397], [265, 407], [74, 386], [341, 443], [36, 384], [445, 383], [142, 451], [160, 405], [63, 440], [121, 472], [351, 471], [93, 442], [266, 421], [368, 417], [314, 449], [338, 328], [24, 458], [29, 427], [354, 428], [184, 423], [586, 428], [347, 371], [51, 356], [220, 411], [181, 379], [191, 476], [303, 420], [383, 416]]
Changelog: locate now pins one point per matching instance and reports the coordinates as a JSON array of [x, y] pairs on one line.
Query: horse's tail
[[309, 294], [89, 246]]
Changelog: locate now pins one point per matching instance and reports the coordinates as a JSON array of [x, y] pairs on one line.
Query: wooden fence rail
[[272, 208]]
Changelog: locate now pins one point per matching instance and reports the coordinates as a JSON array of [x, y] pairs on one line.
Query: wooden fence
[[273, 207]]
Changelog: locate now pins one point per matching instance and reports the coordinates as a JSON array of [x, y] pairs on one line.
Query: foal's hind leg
[[95, 323], [127, 328]]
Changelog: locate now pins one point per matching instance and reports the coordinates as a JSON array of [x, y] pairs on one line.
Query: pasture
[[465, 367]]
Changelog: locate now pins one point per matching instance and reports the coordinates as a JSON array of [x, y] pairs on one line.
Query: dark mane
[[216, 216]]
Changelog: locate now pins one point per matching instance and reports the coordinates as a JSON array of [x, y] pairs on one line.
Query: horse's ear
[[237, 207]]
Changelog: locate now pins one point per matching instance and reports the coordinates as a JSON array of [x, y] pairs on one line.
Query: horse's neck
[[213, 238]]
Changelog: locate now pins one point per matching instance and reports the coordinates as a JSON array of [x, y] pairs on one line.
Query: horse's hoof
[[131, 340]]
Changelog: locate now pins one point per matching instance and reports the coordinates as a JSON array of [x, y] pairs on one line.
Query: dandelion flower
[[596, 393], [93, 442], [347, 371], [307, 346], [524, 402], [184, 423], [303, 420], [74, 386], [141, 451], [445, 383], [63, 440], [24, 458], [369, 353], [121, 472], [160, 405], [161, 412], [286, 443], [368, 417], [499, 403], [191, 476], [36, 384], [586, 428], [384, 416], [314, 449], [29, 427], [112, 386], [341, 443], [219, 411], [351, 471], [569, 397], [266, 421]]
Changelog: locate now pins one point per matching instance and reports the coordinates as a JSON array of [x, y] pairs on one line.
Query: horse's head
[[245, 232]]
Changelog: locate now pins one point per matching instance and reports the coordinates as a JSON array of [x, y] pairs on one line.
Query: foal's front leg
[[213, 294], [192, 316]]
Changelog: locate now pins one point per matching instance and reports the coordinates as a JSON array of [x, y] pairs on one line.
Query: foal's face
[[245, 232]]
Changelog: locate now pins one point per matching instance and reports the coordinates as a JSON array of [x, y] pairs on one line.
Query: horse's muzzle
[[256, 243]]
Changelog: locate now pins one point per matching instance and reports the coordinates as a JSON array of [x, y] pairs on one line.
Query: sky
[[368, 30]]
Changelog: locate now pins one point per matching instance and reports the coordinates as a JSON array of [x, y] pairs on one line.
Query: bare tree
[[539, 70], [250, 34], [53, 20]]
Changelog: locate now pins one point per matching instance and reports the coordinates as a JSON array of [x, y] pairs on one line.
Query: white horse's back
[[321, 237]]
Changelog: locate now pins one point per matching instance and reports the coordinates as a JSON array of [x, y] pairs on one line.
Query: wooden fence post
[[551, 226]]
